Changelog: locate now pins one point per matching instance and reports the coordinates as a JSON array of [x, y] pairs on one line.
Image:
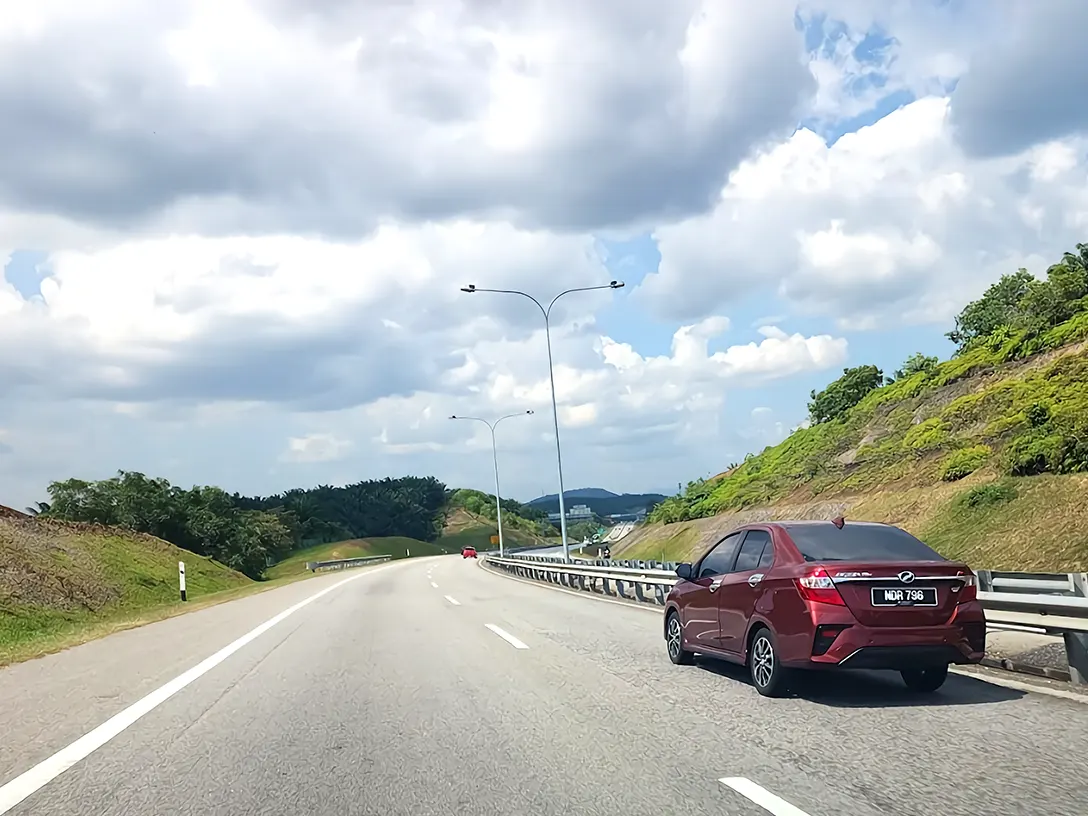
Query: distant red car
[[468, 552], [820, 594]]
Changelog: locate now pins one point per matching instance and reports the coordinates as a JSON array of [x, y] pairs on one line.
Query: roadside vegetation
[[63, 583], [962, 452]]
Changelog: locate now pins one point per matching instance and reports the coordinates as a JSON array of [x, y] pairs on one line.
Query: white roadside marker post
[[181, 579]]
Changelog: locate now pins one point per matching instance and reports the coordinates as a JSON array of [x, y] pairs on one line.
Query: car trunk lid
[[899, 594]]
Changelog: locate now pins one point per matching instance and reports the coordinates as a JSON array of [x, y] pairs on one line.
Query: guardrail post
[[1076, 651], [1080, 583]]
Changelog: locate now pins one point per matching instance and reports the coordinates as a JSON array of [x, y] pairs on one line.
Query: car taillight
[[969, 590], [817, 586]]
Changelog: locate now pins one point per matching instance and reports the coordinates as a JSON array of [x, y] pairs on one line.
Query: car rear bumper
[[863, 647], [905, 657]]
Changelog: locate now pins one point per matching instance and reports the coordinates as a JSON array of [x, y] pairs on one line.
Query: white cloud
[[316, 448], [256, 216], [891, 223]]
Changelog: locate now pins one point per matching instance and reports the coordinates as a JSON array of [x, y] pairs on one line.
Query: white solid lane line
[[453, 600], [49, 769], [761, 796], [513, 641]]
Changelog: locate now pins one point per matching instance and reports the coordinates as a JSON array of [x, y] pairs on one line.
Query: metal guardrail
[[1054, 604], [346, 563]]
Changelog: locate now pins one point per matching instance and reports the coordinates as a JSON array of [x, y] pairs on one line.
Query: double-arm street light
[[547, 312], [495, 458]]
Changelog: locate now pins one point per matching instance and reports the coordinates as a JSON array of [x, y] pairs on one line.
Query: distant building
[[580, 512]]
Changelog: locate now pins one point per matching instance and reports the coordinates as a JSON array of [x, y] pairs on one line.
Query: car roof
[[814, 522]]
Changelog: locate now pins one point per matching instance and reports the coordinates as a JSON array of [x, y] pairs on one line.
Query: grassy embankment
[[982, 457], [63, 584]]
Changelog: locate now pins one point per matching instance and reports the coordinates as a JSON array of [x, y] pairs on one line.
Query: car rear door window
[[858, 542], [751, 551], [766, 561], [719, 560]]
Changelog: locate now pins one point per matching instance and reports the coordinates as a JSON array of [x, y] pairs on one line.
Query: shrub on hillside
[[1021, 303], [926, 436], [846, 392], [962, 463], [987, 495]]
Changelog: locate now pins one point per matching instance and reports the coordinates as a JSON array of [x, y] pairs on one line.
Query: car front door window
[[719, 560]]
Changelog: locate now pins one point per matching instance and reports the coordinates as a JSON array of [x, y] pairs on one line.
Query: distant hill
[[580, 493], [600, 501]]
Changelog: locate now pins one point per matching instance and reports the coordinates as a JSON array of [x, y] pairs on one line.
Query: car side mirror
[[683, 571]]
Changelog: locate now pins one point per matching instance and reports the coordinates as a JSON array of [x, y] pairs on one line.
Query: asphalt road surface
[[431, 686]]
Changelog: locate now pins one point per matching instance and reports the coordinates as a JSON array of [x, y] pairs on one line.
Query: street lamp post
[[547, 312], [495, 459]]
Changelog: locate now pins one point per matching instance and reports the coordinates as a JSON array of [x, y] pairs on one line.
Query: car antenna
[[839, 522]]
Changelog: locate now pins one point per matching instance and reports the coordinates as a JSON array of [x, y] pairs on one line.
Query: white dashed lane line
[[513, 641], [453, 600], [761, 796], [434, 584]]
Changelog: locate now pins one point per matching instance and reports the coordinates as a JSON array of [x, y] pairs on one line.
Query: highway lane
[[407, 691]]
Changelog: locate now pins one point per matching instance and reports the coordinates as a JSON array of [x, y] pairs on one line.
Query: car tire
[[674, 641], [926, 680], [767, 673]]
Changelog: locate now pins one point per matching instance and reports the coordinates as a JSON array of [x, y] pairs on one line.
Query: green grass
[[63, 584]]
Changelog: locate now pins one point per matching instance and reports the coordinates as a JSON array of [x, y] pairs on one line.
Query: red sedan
[[826, 594], [468, 552]]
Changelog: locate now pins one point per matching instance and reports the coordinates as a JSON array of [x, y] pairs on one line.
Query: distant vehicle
[[606, 552], [468, 552], [790, 595]]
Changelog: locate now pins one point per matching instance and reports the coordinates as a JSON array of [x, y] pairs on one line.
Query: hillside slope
[[466, 529], [470, 522], [981, 456], [58, 577]]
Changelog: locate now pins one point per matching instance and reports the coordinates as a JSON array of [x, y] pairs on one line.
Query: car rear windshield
[[858, 542]]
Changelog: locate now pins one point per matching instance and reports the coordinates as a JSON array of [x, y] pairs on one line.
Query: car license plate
[[904, 596]]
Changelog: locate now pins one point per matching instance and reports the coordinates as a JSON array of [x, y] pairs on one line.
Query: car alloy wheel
[[767, 673], [674, 639]]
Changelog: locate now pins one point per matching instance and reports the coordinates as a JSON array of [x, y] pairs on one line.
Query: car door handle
[[755, 579], [717, 582]]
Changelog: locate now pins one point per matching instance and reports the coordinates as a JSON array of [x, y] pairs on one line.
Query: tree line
[[250, 533]]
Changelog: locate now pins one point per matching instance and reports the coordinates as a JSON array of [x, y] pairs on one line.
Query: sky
[[233, 233]]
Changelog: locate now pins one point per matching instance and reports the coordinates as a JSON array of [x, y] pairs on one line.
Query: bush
[[987, 495], [964, 462], [924, 436], [846, 392]]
